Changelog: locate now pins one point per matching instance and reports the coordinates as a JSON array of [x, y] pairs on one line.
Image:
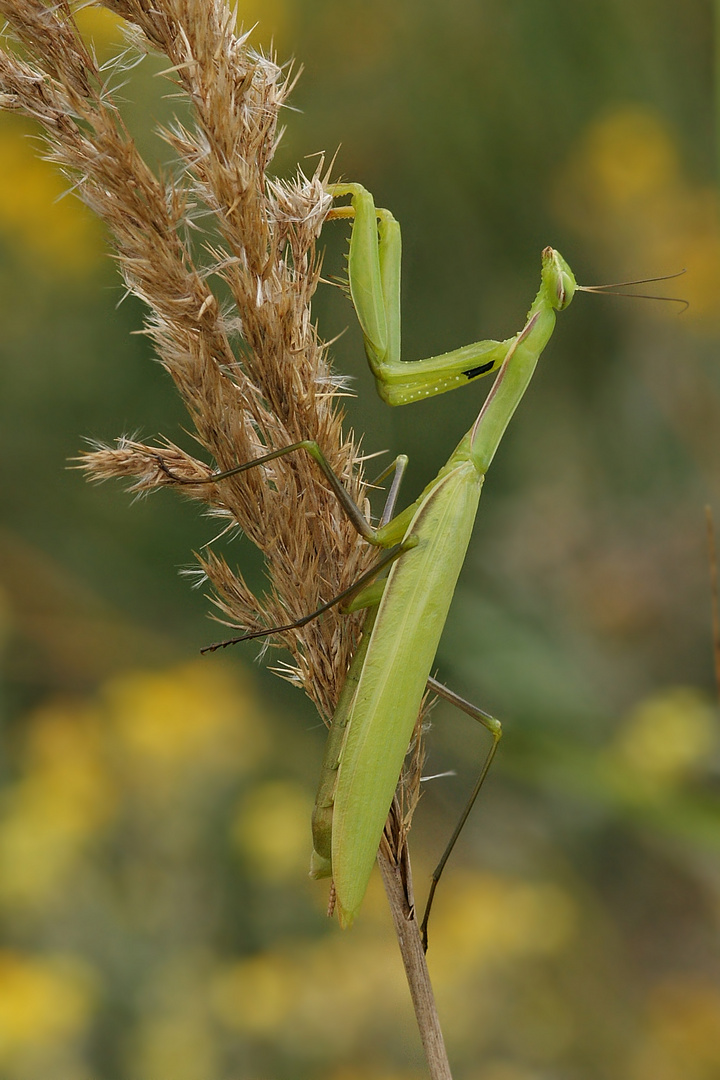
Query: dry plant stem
[[394, 867], [251, 369]]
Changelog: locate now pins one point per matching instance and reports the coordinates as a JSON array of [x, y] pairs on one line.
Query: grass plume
[[255, 377]]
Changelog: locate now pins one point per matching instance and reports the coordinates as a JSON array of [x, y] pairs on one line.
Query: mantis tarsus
[[407, 609]]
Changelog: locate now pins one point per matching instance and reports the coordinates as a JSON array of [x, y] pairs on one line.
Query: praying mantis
[[390, 672], [425, 548], [426, 545], [379, 704]]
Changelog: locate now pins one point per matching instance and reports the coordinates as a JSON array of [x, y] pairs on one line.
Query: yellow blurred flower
[[257, 995], [64, 797], [483, 929], [272, 829], [194, 716], [325, 994], [628, 156], [180, 1047], [682, 1038], [485, 918], [336, 990], [42, 1002], [175, 1036], [667, 736], [59, 236], [625, 190], [156, 732]]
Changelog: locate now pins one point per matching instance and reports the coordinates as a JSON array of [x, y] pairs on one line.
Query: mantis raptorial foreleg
[[374, 262], [374, 281]]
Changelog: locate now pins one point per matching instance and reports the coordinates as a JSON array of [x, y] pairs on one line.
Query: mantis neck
[[511, 382]]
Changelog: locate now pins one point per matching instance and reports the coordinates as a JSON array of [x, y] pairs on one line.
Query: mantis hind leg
[[495, 728]]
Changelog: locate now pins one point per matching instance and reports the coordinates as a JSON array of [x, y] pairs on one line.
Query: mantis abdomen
[[400, 653]]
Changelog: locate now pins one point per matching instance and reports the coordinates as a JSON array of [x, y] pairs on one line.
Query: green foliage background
[[157, 920]]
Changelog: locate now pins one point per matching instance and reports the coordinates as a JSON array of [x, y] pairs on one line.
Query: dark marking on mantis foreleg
[[474, 372]]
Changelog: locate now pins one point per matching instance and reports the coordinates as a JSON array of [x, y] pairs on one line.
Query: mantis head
[[557, 278]]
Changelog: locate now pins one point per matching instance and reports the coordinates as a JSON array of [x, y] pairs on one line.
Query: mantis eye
[[566, 289]]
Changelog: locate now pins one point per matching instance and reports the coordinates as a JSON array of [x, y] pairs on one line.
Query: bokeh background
[[157, 920]]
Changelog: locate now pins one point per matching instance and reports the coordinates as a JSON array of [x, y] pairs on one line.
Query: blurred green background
[[158, 923]]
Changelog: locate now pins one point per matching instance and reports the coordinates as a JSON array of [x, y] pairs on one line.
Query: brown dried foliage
[[255, 378]]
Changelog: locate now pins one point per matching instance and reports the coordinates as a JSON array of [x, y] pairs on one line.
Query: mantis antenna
[[611, 290]]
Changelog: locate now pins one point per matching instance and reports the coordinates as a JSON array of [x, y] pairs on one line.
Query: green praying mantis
[[381, 698], [425, 547]]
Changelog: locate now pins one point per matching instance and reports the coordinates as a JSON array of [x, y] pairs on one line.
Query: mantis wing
[[400, 653]]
